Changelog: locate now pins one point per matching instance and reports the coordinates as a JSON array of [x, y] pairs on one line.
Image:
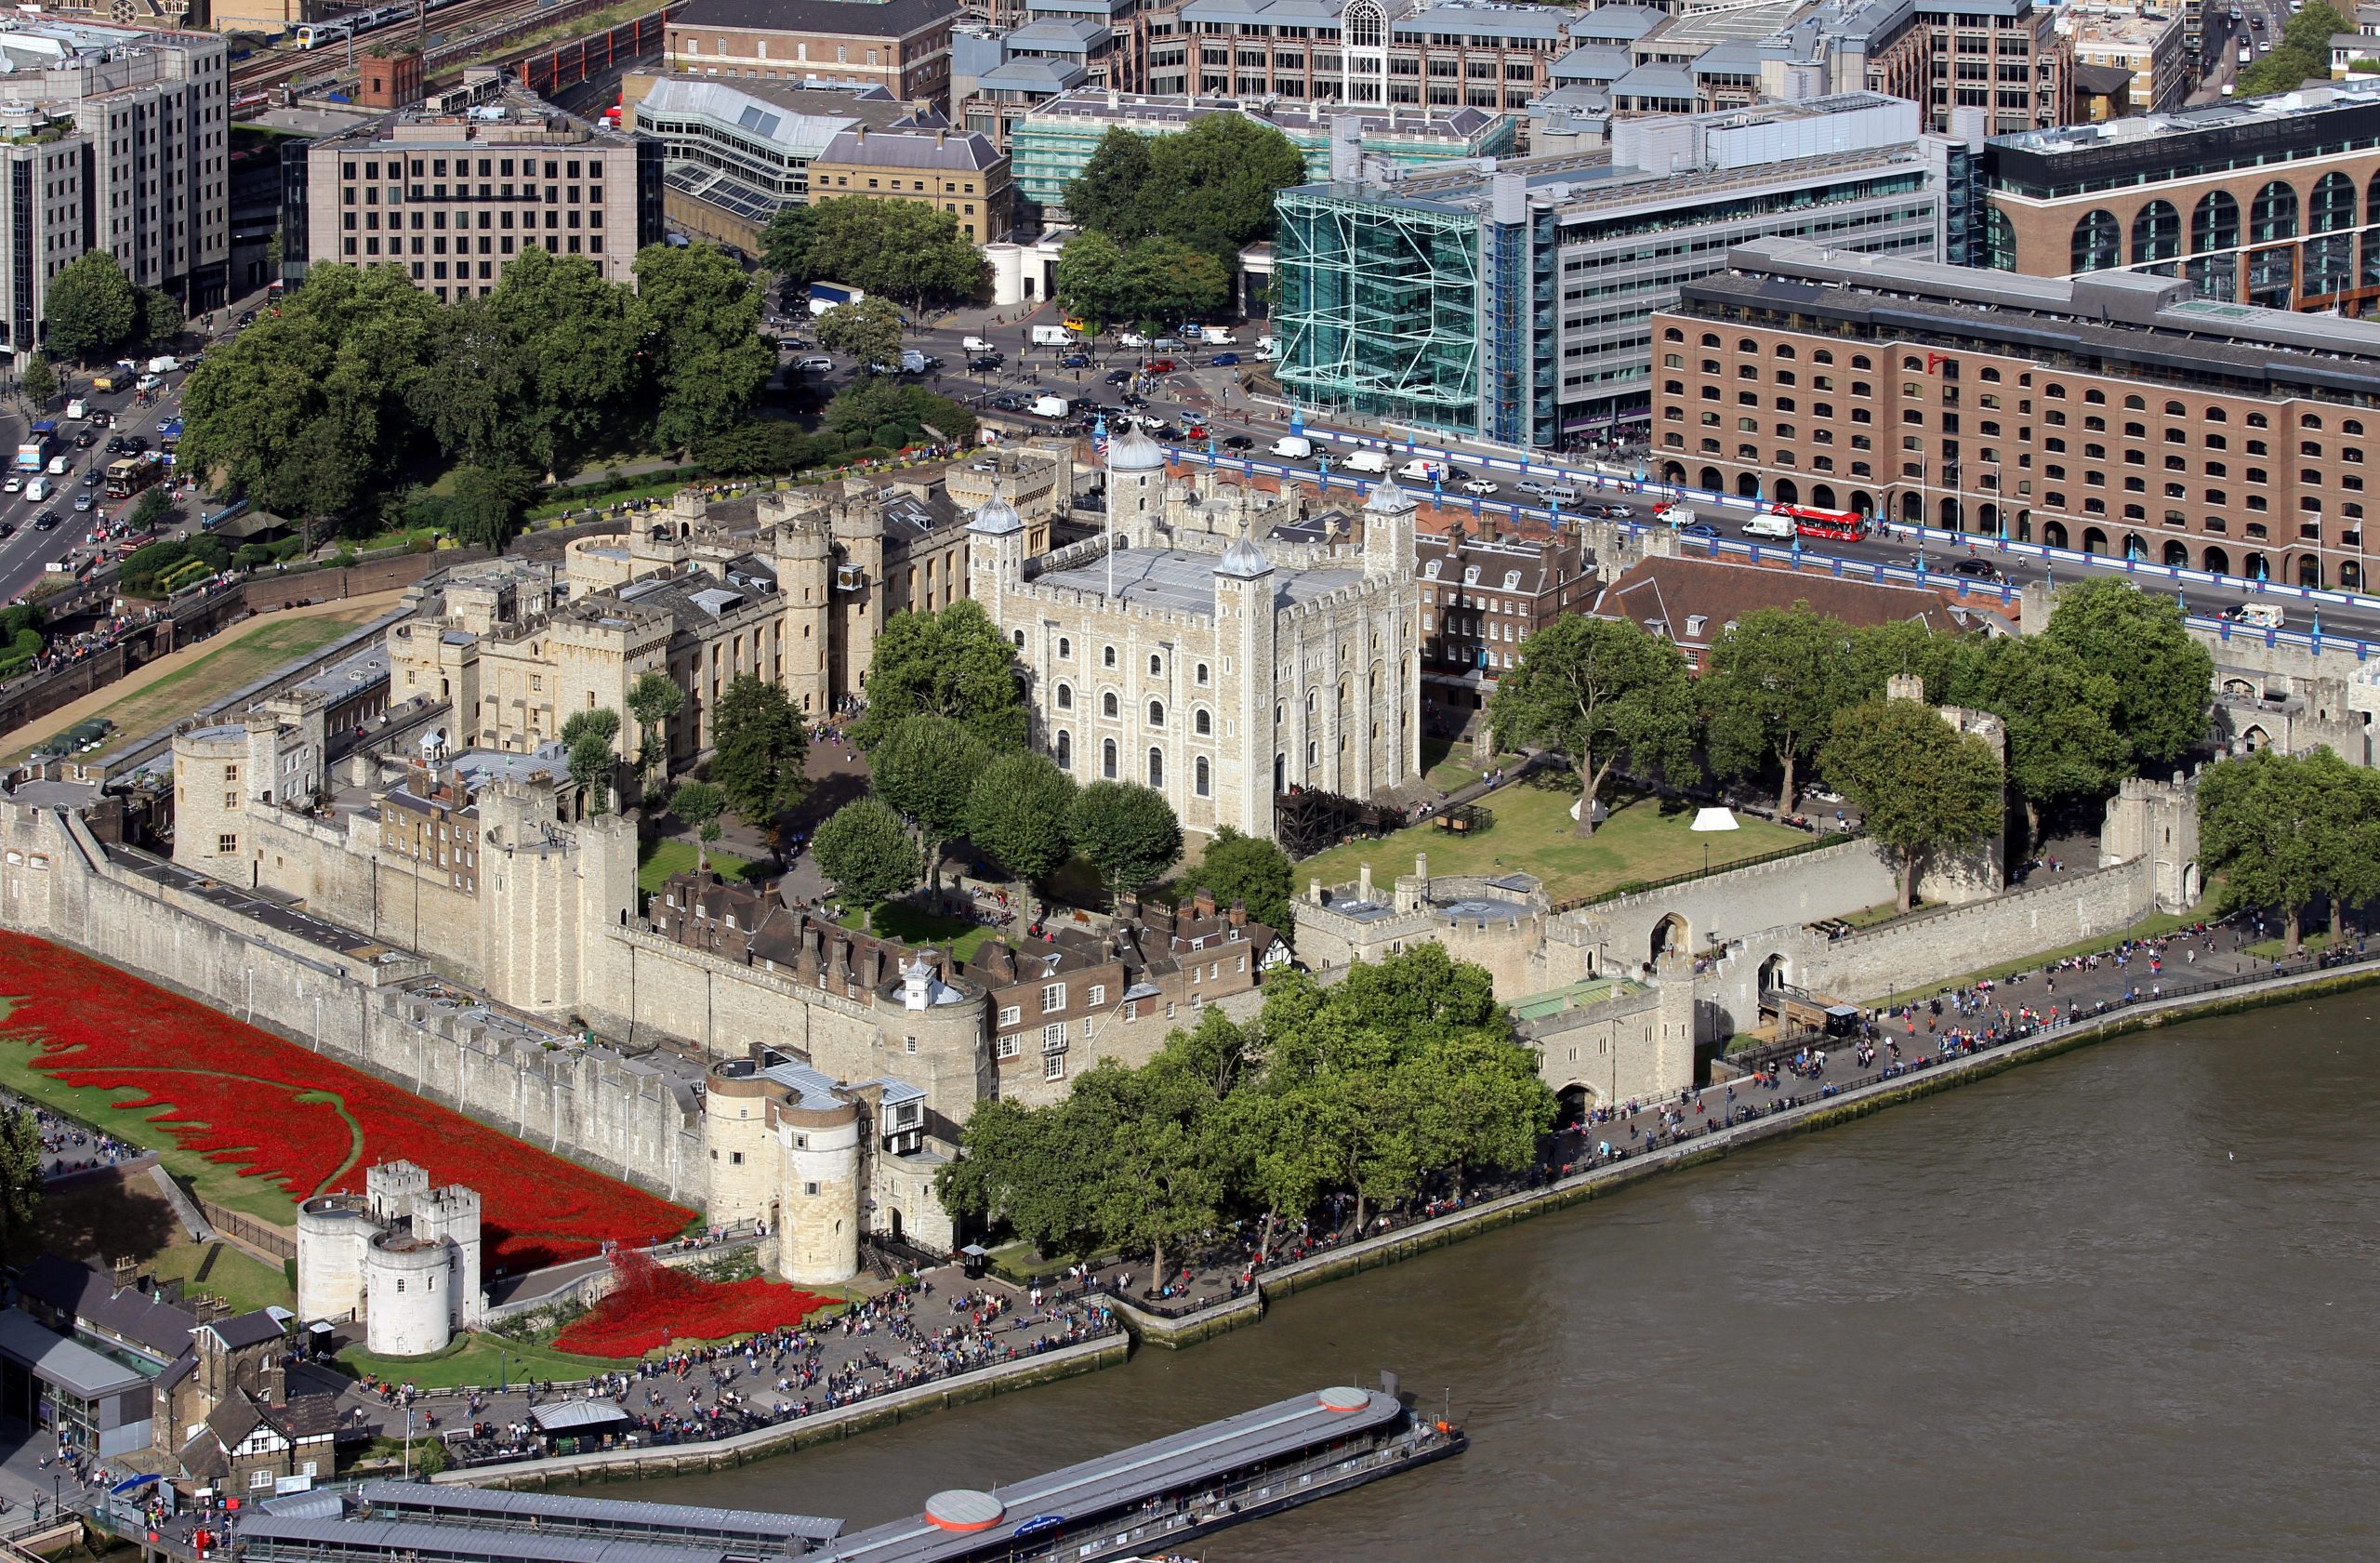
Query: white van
[[2261, 616], [1417, 469], [1297, 447], [1770, 525], [78, 409], [1367, 461], [37, 490], [1053, 336], [975, 344], [1217, 336], [60, 465]]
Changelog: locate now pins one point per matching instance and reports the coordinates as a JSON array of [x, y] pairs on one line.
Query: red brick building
[[901, 45]]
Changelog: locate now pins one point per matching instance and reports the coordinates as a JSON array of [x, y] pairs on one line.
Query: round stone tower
[[407, 1309], [333, 1235], [742, 1152], [818, 1240]]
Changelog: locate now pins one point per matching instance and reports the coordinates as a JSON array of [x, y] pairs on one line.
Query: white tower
[[995, 554], [1135, 487]]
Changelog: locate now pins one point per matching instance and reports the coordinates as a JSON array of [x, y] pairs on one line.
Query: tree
[[587, 736], [1477, 1102], [2161, 675], [1026, 1166], [1213, 184], [702, 320], [1923, 788], [21, 1174], [873, 404], [1604, 693], [907, 249], [161, 318], [1154, 280], [39, 381], [1162, 1183], [1777, 678], [484, 509], [2302, 54], [1017, 813], [926, 768], [149, 510], [1109, 196], [652, 701], [865, 331], [867, 851], [785, 245], [2281, 831], [92, 306], [1126, 831], [1090, 280], [954, 663], [575, 339], [759, 747], [2060, 716], [1249, 870], [699, 805], [1944, 664]]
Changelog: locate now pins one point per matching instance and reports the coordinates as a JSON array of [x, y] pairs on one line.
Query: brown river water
[[2121, 1303]]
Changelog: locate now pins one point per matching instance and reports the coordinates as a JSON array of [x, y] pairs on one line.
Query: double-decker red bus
[[1844, 527]]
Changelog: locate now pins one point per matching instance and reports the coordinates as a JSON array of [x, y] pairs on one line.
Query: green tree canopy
[[880, 401], [1923, 788], [2162, 676], [574, 340], [652, 701], [785, 245], [1249, 870], [93, 309], [865, 331], [699, 805], [954, 663], [1110, 196], [484, 507], [901, 249], [149, 510], [2061, 717], [1017, 812], [1777, 678], [865, 849], [1152, 280], [702, 320], [759, 748], [159, 318], [2302, 54], [1126, 832], [21, 1174], [1209, 187], [927, 767], [2282, 831], [39, 381], [1604, 693]]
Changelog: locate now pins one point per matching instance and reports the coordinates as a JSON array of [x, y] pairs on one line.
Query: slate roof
[[862, 18], [1676, 592], [940, 153], [244, 1329], [92, 1300]]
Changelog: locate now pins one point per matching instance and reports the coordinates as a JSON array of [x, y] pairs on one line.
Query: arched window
[[2331, 205], [1710, 338], [1065, 747], [2274, 213], [2215, 224], [1107, 758], [2097, 243], [1156, 767], [1156, 713], [1065, 697], [1107, 703], [1198, 775], [2156, 233], [1157, 666], [1019, 636], [1107, 656], [1201, 723], [1065, 646], [1199, 676], [2000, 240]]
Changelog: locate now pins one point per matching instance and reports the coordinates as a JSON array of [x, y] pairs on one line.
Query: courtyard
[[1645, 840]]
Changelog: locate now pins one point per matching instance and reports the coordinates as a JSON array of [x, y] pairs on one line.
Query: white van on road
[[1367, 461], [1297, 447], [1768, 525]]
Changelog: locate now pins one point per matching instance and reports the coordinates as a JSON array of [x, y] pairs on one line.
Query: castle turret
[[1389, 515], [805, 561], [1250, 764], [1135, 487], [738, 1144], [818, 1237], [995, 554]]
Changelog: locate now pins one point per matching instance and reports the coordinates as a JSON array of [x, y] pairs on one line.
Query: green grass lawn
[[2277, 949], [474, 1360], [658, 860], [1533, 833], [245, 659], [1448, 774], [211, 1180], [913, 925], [219, 1269]]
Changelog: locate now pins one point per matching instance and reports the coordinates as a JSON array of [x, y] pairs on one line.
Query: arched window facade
[[1107, 759], [2328, 263], [2156, 233], [2098, 242], [2215, 230], [1202, 722], [1065, 697], [1156, 767], [1107, 704], [1200, 781], [2274, 213], [1156, 713], [1065, 749]]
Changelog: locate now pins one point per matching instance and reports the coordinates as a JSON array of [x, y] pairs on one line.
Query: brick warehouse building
[[901, 46], [2271, 201], [2111, 413]]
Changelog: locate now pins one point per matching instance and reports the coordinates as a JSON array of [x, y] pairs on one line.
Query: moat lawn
[[475, 1359], [99, 1216], [1643, 840], [659, 860]]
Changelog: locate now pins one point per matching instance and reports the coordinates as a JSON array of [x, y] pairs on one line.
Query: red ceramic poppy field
[[653, 1306], [276, 1111]]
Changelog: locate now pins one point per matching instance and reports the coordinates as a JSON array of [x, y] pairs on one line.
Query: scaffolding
[[1381, 307]]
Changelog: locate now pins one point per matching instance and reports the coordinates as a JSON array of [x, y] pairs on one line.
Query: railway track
[[457, 30]]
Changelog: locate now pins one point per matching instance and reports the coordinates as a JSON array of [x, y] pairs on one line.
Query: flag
[[1099, 434], [1933, 361]]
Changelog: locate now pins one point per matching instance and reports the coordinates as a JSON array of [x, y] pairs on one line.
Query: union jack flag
[[1099, 435]]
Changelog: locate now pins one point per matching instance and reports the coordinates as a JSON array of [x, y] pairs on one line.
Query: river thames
[[2121, 1303]]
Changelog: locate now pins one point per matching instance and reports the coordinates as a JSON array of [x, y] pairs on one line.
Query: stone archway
[[2217, 562], [1786, 491], [1773, 975], [2095, 542], [2053, 535], [1674, 474], [1822, 498], [2256, 738], [1748, 485], [1673, 933], [1863, 503], [1711, 480], [1570, 1106]]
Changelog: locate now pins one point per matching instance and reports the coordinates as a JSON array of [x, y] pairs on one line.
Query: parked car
[[248, 317], [1009, 402], [1225, 360], [814, 364], [985, 364], [1130, 339]]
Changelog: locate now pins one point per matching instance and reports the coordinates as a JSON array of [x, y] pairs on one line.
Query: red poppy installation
[[652, 1306], [248, 1099]]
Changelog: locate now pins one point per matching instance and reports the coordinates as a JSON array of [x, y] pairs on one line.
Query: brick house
[[1691, 602], [901, 45]]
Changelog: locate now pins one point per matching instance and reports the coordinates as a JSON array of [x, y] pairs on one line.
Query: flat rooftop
[[1175, 581]]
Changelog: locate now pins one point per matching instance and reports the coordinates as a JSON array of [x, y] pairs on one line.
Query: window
[[1065, 646], [1009, 1047], [1098, 999], [1107, 706], [1156, 713], [1010, 1015], [1065, 697], [1157, 768], [262, 1478], [1107, 656], [1054, 1036], [227, 843], [1053, 1067], [1053, 998]]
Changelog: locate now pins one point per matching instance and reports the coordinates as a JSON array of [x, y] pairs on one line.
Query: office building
[[2146, 44], [113, 139], [2269, 201], [1516, 305], [452, 197], [1052, 142], [2113, 412], [955, 172], [901, 46]]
